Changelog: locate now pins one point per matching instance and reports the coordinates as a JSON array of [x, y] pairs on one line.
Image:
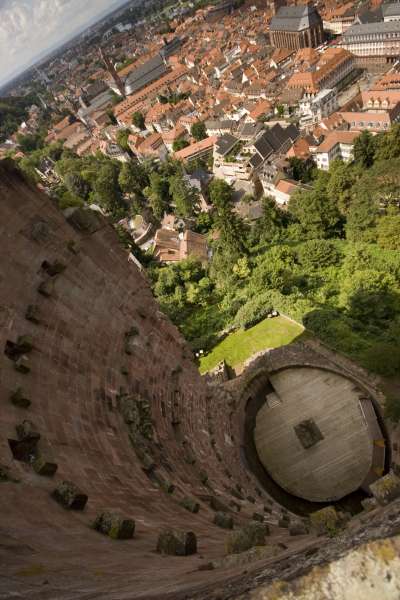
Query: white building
[[336, 145], [315, 108]]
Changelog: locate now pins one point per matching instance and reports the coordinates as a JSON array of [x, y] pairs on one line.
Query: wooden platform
[[336, 465]]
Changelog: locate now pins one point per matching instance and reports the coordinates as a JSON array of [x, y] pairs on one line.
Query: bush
[[382, 358], [254, 311]]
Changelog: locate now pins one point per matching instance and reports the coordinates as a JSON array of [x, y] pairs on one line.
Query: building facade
[[296, 27], [373, 39]]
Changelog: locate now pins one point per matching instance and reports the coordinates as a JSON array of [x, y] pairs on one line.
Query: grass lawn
[[240, 345]]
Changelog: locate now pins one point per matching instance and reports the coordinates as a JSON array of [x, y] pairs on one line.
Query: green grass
[[241, 345]]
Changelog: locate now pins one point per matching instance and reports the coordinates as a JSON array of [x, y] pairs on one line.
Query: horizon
[[30, 30]]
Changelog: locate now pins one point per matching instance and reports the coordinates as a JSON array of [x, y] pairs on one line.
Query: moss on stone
[[386, 489], [114, 525], [325, 521], [19, 399], [245, 538], [190, 504], [223, 520], [69, 496], [177, 543]]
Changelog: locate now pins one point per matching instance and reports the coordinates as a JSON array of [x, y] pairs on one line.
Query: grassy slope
[[240, 345]]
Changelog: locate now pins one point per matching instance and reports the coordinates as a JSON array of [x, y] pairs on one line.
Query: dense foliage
[[330, 261]]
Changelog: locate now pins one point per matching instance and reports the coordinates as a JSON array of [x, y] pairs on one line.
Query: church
[[296, 27]]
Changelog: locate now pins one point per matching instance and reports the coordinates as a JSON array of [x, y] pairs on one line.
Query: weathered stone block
[[217, 505], [26, 431], [190, 505], [33, 314], [369, 504], [177, 543], [223, 520], [130, 340], [44, 467], [46, 288], [22, 365], [325, 520], [386, 489], [245, 538], [53, 268], [258, 517], [165, 484], [116, 527], [298, 529], [203, 477], [73, 247], [284, 521], [69, 496], [84, 219], [18, 399], [308, 433]]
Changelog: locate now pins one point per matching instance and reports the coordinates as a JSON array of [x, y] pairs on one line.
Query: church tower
[[111, 69]]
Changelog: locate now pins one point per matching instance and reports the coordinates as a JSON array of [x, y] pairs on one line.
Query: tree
[[370, 295], [75, 183], [138, 120], [29, 143], [242, 268], [361, 218], [364, 149], [184, 196], [388, 144], [316, 212], [107, 191], [204, 222], [111, 116], [133, 178], [271, 224], [179, 145], [122, 139], [315, 254], [388, 231], [220, 193], [303, 170], [340, 184], [198, 131], [158, 194]]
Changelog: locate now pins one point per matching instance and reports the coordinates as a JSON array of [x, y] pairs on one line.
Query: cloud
[[29, 27]]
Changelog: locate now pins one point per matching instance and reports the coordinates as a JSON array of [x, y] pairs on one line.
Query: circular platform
[[315, 433]]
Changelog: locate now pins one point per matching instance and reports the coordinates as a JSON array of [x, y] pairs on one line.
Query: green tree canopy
[[388, 231], [184, 196], [122, 139], [316, 212], [198, 131], [158, 194], [179, 144], [138, 120], [364, 149]]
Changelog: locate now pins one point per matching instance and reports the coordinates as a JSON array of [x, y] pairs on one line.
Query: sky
[[30, 27]]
